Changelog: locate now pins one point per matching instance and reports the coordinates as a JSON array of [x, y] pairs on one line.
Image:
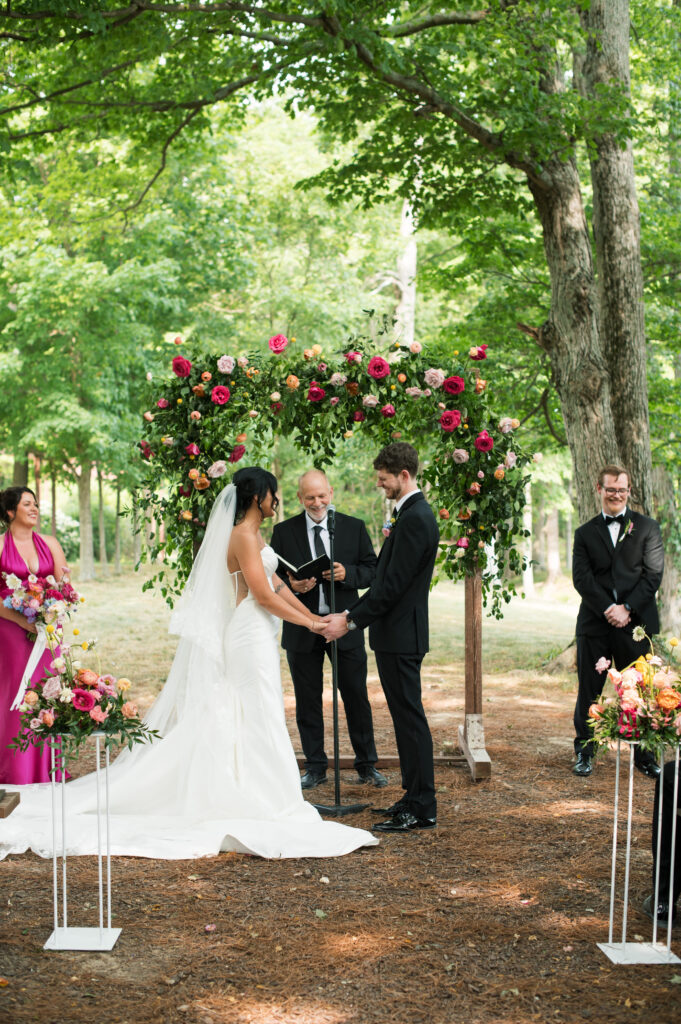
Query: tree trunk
[[36, 477], [528, 572], [87, 551], [53, 485], [136, 531], [616, 228], [103, 561], [571, 334], [552, 547], [666, 512], [406, 277], [117, 540], [20, 472], [568, 529]]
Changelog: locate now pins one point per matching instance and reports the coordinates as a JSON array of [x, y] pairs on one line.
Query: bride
[[224, 775]]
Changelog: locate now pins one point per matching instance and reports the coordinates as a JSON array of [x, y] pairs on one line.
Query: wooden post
[[472, 733]]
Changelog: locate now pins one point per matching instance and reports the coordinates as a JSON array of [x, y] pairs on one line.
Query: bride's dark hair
[[253, 482]]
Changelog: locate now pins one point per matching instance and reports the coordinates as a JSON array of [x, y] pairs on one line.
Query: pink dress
[[33, 766]]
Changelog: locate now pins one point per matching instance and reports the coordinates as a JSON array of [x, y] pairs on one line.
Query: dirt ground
[[492, 917]]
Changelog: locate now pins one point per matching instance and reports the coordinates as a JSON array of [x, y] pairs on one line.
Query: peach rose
[[292, 382], [596, 710], [31, 698], [123, 684], [86, 677], [668, 699], [129, 709]]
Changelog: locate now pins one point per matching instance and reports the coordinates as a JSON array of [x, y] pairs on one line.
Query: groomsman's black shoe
[[647, 764], [311, 779], [404, 821], [370, 777], [662, 911], [583, 765], [396, 808]]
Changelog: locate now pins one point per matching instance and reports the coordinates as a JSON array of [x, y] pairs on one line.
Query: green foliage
[[319, 399]]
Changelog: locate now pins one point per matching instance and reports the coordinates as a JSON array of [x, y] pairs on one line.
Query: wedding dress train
[[224, 775]]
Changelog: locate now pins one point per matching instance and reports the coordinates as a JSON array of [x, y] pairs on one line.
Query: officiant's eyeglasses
[[612, 491]]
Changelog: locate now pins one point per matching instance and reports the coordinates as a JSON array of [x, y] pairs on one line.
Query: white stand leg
[[638, 952], [99, 938]]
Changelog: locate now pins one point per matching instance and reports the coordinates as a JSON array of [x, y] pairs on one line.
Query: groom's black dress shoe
[[404, 821], [647, 764], [396, 808], [370, 777], [662, 911], [311, 779], [583, 765]]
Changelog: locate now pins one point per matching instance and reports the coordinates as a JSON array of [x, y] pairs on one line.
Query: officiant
[[299, 540]]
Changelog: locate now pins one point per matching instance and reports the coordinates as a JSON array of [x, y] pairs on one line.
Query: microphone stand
[[337, 809]]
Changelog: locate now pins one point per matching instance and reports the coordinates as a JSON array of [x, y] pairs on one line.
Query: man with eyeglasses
[[617, 564]]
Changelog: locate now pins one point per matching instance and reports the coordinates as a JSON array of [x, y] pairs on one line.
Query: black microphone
[[331, 518]]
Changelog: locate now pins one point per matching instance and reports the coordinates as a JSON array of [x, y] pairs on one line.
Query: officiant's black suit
[[305, 652], [629, 572], [395, 608]]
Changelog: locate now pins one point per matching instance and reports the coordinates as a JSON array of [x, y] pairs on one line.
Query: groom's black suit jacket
[[396, 605], [352, 548], [628, 573]]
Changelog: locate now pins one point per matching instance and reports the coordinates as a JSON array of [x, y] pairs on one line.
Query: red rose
[[483, 442], [276, 406], [388, 410], [454, 385], [358, 416], [353, 357], [450, 419], [163, 403], [316, 393], [478, 352], [192, 449], [219, 394], [184, 491], [181, 366], [378, 367], [238, 452], [146, 449], [278, 343]]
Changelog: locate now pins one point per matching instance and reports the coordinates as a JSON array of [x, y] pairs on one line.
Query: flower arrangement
[[473, 463], [71, 702], [40, 599], [644, 706]]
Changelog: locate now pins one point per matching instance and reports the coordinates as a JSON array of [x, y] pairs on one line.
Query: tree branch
[[410, 28]]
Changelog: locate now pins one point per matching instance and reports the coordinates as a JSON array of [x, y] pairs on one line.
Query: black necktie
[[318, 542], [614, 519]]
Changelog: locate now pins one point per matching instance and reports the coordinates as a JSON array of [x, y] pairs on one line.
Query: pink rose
[[388, 410], [98, 715], [195, 415], [483, 442], [510, 460], [415, 347], [192, 449], [335, 400], [315, 392], [83, 700], [413, 392], [238, 452], [450, 419], [460, 455], [226, 364], [602, 665], [322, 367], [107, 689], [627, 723], [149, 416], [243, 362], [338, 380], [278, 343], [36, 724], [219, 394], [462, 542], [454, 385], [358, 416], [434, 378], [505, 424], [46, 717], [369, 401], [218, 469], [276, 407], [478, 352], [145, 448], [378, 367], [129, 710], [181, 366], [353, 357], [52, 688]]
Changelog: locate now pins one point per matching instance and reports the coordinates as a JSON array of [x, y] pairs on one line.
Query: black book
[[305, 572]]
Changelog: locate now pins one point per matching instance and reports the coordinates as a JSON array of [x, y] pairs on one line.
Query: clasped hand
[[617, 615], [331, 627]]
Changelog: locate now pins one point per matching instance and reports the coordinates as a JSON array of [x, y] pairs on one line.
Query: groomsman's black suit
[[396, 610], [628, 573], [305, 651]]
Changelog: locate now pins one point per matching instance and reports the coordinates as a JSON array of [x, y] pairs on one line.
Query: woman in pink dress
[[23, 551]]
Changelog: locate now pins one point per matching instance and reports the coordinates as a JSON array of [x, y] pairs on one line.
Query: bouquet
[[71, 702], [41, 600], [646, 705]]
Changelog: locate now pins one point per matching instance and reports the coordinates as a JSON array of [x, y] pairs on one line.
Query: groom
[[396, 610]]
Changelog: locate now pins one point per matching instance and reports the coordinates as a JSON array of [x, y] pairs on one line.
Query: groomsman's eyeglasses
[[620, 491]]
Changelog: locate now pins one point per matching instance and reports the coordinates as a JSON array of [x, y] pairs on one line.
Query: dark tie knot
[[614, 519]]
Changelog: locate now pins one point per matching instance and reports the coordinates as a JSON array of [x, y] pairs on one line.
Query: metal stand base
[[339, 810], [638, 953], [83, 938]]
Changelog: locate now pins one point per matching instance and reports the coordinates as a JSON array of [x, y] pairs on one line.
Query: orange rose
[[241, 438], [193, 474], [480, 386], [352, 387], [464, 514], [199, 390], [186, 515], [596, 710], [499, 473], [444, 513], [206, 375], [202, 483], [292, 382], [668, 699], [86, 677], [402, 377]]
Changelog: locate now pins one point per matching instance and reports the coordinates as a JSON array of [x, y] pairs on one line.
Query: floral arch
[[214, 410]]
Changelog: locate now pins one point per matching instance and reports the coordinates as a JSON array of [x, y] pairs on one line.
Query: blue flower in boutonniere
[[389, 525], [629, 528]]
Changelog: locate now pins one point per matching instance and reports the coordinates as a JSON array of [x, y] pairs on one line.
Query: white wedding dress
[[224, 775]]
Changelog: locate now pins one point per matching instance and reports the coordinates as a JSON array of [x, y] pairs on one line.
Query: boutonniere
[[389, 525], [629, 528]]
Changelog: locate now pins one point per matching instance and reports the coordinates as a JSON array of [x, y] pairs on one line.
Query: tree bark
[[552, 547], [87, 551], [666, 512], [20, 472], [406, 277], [53, 485], [136, 531], [616, 226], [117, 540], [103, 561], [528, 571]]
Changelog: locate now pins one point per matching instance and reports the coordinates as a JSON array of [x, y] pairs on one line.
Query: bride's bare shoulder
[[243, 545]]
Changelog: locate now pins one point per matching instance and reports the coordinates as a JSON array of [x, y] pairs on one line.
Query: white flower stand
[[624, 952], [64, 937]]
